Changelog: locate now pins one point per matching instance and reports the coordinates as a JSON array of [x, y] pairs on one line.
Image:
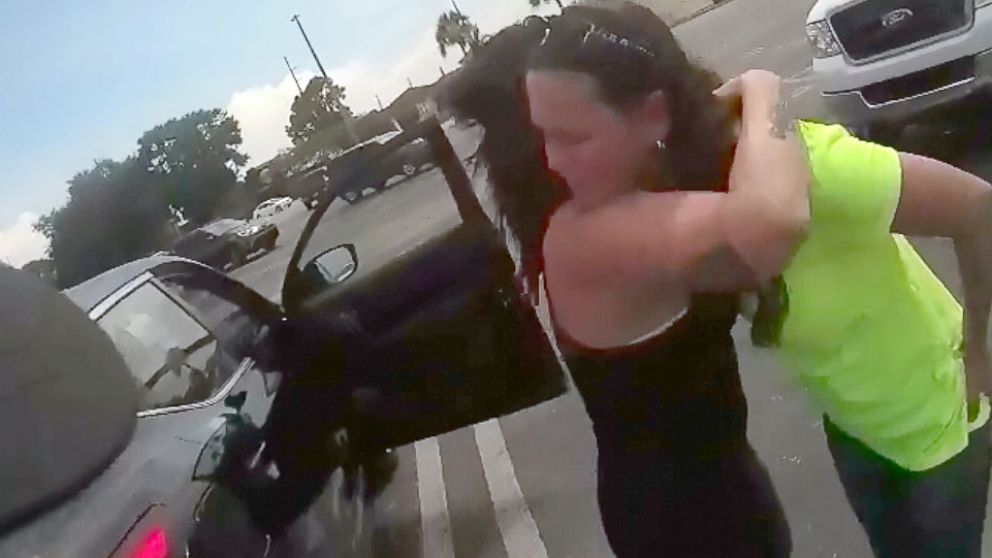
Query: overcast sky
[[83, 80]]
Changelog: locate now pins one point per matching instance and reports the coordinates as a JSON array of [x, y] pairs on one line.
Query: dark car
[[351, 176], [407, 160], [250, 414], [227, 243]]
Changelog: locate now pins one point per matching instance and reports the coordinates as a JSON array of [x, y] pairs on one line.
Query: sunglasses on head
[[592, 33]]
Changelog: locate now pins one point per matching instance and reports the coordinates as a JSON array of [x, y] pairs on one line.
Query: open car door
[[425, 285]]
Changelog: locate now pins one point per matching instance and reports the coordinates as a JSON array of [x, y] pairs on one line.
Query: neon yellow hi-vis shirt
[[872, 333]]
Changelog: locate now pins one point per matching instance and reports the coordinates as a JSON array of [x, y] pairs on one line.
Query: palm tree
[[536, 3], [456, 29]]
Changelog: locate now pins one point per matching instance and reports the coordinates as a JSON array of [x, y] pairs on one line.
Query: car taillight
[[154, 545]]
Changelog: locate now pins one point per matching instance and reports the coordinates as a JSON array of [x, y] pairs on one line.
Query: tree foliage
[[320, 110], [114, 214], [118, 211], [536, 3], [456, 29], [194, 161]]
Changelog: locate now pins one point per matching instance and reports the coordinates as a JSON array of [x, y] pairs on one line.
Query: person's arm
[[938, 199], [770, 161], [767, 210], [707, 241]]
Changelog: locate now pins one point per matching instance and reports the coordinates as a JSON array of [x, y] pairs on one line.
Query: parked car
[[227, 243], [251, 414], [880, 63], [352, 176], [271, 207]]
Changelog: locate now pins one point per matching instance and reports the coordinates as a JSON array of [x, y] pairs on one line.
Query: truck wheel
[[409, 169], [351, 197]]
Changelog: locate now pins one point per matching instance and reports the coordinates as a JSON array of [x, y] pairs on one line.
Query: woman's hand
[[764, 104]]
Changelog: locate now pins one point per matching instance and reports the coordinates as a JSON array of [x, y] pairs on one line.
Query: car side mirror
[[330, 268]]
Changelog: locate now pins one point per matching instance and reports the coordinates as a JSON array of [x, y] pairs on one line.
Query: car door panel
[[446, 338]]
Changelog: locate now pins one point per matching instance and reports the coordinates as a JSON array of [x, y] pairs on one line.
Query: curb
[[698, 13]]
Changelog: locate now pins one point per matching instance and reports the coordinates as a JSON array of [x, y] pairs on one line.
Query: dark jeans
[[934, 514], [720, 505]]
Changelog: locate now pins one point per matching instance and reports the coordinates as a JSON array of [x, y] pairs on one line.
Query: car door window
[[231, 321], [171, 355], [381, 206]]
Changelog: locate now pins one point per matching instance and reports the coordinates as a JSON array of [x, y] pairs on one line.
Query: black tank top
[[678, 390]]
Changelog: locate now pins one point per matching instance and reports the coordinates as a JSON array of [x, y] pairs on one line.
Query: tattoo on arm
[[783, 124]]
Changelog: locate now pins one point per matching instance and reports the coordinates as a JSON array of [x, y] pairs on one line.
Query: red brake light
[[154, 545]]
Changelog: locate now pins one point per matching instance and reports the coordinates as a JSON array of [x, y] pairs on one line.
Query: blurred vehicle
[[270, 207], [351, 175], [881, 62], [227, 243], [408, 160], [257, 423], [191, 338]]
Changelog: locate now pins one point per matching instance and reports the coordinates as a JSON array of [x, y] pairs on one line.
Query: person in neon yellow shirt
[[614, 185], [882, 345]]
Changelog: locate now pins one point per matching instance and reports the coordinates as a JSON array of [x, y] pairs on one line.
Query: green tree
[[320, 111], [456, 29], [114, 214], [193, 161]]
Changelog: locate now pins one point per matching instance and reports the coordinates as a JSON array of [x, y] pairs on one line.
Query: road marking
[[435, 524], [804, 75], [801, 90], [521, 537]]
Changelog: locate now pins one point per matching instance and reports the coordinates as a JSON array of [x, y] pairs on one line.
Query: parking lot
[[550, 505]]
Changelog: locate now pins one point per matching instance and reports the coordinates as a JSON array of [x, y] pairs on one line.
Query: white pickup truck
[[882, 62]]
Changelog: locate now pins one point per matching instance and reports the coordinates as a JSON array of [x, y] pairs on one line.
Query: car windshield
[[223, 226], [766, 226]]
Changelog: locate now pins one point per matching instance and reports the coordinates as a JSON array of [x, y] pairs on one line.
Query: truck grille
[[921, 82], [875, 27]]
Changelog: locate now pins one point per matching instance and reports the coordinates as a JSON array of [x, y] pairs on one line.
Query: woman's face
[[597, 150]]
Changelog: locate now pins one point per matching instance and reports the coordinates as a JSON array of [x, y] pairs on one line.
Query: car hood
[[820, 10]]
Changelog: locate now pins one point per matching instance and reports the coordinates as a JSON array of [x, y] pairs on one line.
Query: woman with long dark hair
[[611, 164], [636, 243]]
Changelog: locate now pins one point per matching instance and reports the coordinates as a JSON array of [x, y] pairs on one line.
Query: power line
[[293, 73]]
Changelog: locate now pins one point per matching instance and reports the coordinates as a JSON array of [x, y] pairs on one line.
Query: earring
[[661, 145]]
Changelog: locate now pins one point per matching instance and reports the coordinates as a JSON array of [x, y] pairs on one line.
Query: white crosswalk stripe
[[521, 537], [435, 524]]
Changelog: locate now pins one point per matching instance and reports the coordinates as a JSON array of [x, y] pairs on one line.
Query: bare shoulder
[[638, 237], [603, 288]]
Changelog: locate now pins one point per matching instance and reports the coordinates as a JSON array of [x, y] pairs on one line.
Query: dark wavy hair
[[630, 53]]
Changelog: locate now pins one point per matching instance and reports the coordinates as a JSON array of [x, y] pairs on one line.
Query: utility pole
[[293, 73], [410, 83], [344, 114], [316, 59], [378, 100]]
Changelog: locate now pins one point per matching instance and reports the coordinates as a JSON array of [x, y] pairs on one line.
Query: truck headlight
[[822, 38], [248, 231]]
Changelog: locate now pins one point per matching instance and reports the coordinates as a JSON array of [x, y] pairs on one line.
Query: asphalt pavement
[[524, 486]]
